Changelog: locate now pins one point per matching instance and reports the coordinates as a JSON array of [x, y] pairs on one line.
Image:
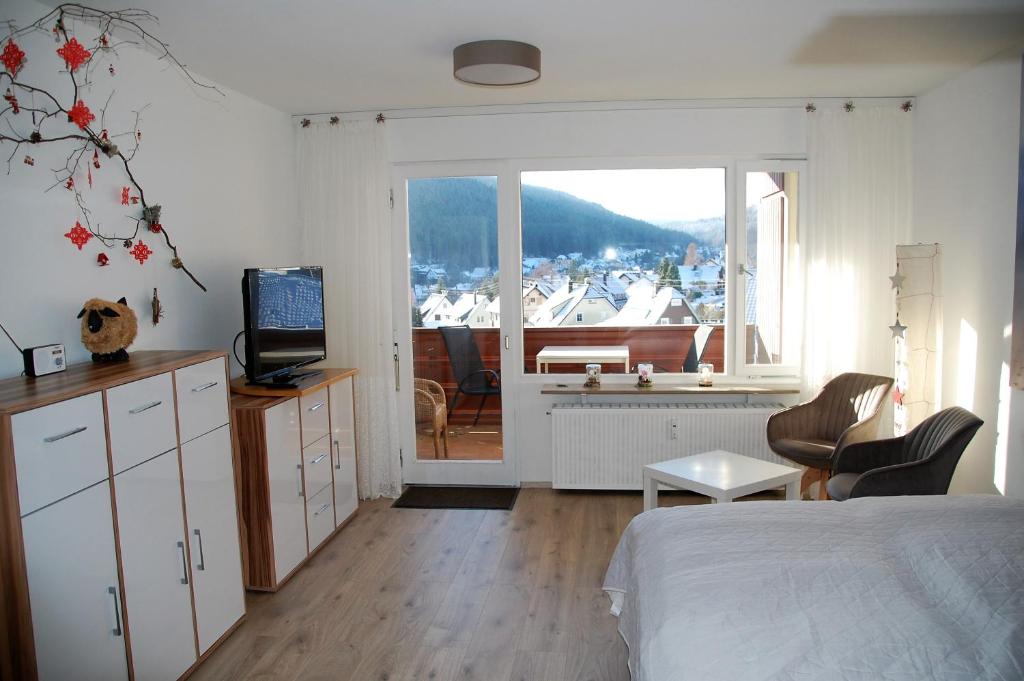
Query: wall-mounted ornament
[[49, 107], [78, 235], [158, 308], [897, 279]]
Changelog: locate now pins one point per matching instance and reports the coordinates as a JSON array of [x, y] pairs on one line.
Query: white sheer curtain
[[859, 164], [343, 177]]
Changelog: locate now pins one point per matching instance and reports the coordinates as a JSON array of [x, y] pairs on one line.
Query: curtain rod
[[587, 107]]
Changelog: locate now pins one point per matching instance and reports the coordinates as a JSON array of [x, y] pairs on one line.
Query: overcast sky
[[654, 195]]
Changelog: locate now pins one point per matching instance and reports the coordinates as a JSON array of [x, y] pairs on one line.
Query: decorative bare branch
[[128, 25]]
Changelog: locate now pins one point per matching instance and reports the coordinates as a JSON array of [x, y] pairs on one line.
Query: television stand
[[286, 381]]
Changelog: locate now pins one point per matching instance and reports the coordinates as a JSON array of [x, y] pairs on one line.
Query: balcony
[[664, 346]]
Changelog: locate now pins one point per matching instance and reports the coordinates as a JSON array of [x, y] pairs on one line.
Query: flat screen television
[[284, 322]]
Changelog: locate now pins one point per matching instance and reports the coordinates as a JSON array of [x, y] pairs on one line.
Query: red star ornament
[[79, 235], [898, 395], [80, 115], [13, 57], [140, 252], [74, 54]]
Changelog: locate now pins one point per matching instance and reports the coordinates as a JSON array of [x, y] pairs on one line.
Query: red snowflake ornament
[[79, 235], [102, 259], [156, 227], [80, 115], [124, 195], [13, 57], [140, 252], [74, 54]]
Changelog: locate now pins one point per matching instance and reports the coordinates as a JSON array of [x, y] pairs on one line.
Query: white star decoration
[[897, 280], [898, 330]]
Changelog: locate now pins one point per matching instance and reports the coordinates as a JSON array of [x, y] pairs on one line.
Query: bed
[[871, 588]]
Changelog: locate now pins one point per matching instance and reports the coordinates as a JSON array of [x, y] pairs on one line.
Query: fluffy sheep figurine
[[107, 329]]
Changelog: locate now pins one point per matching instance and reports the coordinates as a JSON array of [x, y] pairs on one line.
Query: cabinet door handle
[[322, 509], [319, 458], [145, 407], [204, 386], [315, 406], [184, 563], [202, 560], [73, 431], [116, 631], [337, 448], [299, 469]]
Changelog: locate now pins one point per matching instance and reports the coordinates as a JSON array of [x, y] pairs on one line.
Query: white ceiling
[[314, 56]]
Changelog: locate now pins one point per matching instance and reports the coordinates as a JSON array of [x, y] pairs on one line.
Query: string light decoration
[[68, 120]]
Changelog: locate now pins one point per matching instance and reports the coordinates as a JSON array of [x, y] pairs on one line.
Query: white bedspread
[[873, 588]]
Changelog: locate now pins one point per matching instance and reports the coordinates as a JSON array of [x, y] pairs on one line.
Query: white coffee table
[[721, 475]]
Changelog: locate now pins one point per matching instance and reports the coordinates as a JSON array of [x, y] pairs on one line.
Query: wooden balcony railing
[[664, 346]]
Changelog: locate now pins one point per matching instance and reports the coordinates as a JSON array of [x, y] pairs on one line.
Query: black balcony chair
[[920, 462], [468, 368]]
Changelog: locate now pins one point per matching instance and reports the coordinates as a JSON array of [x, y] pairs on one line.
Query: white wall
[[223, 170], [965, 197], [749, 132]]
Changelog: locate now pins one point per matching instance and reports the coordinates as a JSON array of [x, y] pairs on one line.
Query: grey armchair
[[920, 462], [846, 410]]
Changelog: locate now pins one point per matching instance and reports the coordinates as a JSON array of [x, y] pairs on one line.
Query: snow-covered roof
[[432, 301], [688, 275]]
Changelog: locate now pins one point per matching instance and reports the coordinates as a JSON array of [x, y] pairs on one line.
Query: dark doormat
[[428, 496]]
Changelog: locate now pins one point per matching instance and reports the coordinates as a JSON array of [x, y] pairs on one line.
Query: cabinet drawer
[[319, 517], [316, 462], [315, 416], [59, 450], [202, 398], [141, 417]]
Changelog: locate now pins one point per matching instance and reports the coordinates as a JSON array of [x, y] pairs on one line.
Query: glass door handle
[[508, 343]]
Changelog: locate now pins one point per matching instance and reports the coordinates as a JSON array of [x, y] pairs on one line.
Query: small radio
[[44, 359]]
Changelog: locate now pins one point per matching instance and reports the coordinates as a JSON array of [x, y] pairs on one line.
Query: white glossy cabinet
[[115, 583], [297, 471], [213, 533], [141, 415], [315, 416], [154, 559], [58, 450], [202, 398], [319, 517], [287, 496], [74, 590], [343, 440]]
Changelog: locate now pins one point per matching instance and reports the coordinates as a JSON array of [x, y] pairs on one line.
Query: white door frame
[[443, 471]]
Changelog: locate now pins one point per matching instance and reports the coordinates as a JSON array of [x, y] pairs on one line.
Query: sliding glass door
[[450, 336]]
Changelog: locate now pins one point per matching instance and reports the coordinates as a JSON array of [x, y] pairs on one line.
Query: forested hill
[[453, 221]]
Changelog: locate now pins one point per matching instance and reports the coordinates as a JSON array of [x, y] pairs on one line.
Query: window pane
[[453, 260], [770, 234], [623, 266]]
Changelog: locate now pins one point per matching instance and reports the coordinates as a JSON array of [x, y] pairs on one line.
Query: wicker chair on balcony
[[432, 411], [846, 410]]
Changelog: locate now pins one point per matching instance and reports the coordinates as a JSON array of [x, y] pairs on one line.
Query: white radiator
[[604, 446]]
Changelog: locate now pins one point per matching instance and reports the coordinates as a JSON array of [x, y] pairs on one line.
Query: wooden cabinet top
[[24, 392], [325, 378]]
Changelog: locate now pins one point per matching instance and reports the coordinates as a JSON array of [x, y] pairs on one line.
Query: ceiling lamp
[[496, 62]]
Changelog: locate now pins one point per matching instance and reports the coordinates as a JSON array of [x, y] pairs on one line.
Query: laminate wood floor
[[438, 595]]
